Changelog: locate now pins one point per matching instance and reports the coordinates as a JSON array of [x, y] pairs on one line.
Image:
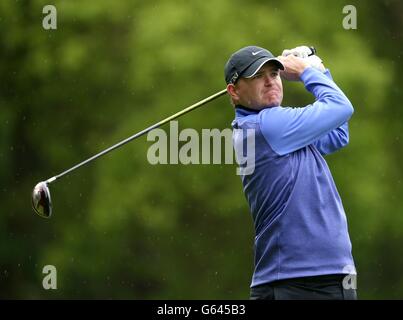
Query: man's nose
[[268, 80]]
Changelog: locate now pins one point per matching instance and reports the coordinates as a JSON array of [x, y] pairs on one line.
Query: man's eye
[[259, 75], [274, 74]]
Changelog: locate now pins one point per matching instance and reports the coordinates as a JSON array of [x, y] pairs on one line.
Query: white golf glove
[[307, 53], [301, 51]]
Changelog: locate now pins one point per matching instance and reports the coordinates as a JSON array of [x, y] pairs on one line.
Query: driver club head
[[41, 201]]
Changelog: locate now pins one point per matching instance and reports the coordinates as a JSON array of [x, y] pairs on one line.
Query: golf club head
[[41, 201]]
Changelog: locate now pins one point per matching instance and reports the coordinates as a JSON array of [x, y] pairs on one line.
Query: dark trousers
[[328, 287]]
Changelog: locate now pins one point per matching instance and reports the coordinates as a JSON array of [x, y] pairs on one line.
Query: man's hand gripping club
[[296, 60]]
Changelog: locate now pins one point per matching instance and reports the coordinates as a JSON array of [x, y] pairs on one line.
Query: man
[[302, 246]]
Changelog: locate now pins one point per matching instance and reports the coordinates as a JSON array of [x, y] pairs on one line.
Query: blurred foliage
[[123, 228]]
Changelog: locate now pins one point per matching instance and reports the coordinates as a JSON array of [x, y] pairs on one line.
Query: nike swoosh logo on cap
[[255, 53]]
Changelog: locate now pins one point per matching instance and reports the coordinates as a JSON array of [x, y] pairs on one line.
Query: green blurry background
[[123, 228]]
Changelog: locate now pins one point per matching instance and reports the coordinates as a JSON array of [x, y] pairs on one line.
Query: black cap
[[246, 62]]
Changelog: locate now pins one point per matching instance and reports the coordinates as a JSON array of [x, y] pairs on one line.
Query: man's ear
[[232, 91]]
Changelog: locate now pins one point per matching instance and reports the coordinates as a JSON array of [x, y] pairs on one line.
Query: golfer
[[302, 247]]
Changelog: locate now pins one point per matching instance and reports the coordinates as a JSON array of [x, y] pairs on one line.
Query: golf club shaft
[[138, 134]]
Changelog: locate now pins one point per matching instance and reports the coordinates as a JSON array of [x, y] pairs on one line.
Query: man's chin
[[269, 104], [273, 104], [273, 100]]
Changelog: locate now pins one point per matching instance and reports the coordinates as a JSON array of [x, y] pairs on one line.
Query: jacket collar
[[241, 111]]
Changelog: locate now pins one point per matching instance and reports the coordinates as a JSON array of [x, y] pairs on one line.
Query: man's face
[[263, 90]]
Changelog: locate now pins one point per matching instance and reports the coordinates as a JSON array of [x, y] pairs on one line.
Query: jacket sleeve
[[289, 129], [334, 140]]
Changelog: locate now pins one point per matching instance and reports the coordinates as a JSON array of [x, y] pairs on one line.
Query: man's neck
[[246, 108]]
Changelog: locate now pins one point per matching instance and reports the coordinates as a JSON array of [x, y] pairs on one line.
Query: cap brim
[[255, 67]]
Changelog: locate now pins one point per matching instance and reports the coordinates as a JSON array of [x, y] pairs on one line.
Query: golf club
[[41, 200]]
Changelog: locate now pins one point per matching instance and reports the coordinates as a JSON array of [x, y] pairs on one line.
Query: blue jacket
[[300, 224]]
